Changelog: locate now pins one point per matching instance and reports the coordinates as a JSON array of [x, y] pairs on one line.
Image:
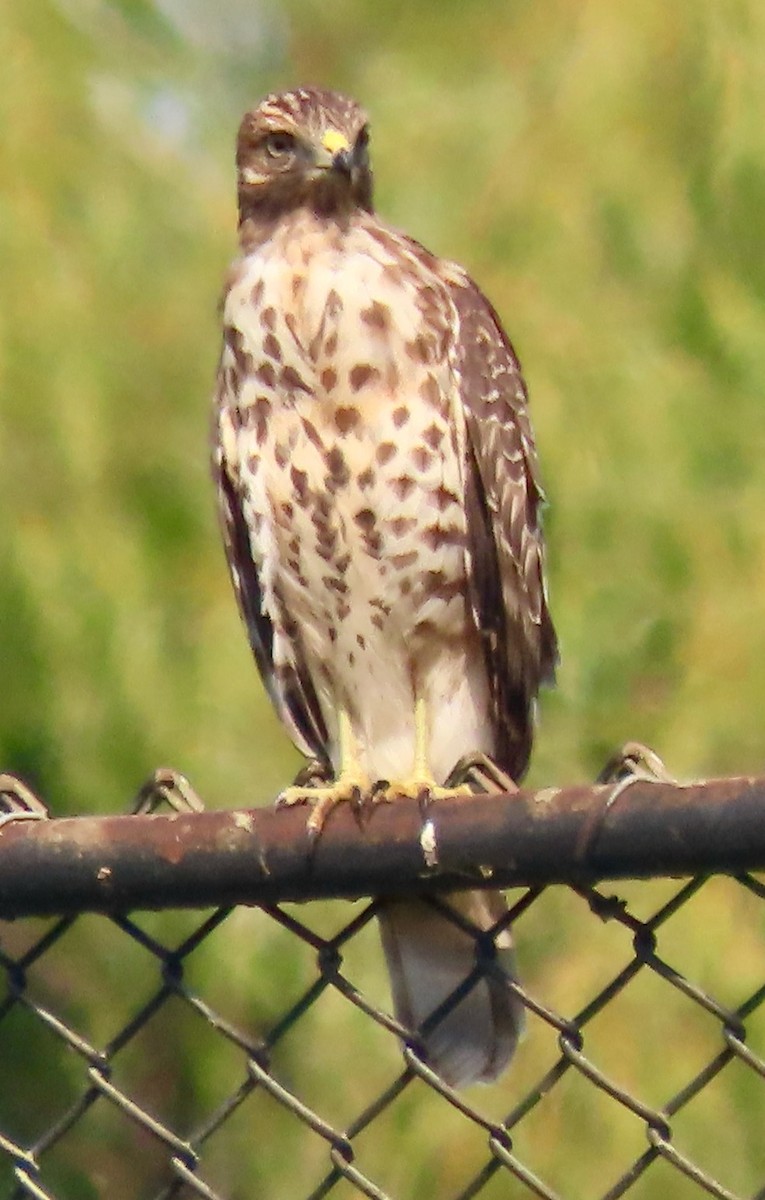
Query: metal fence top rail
[[198, 859]]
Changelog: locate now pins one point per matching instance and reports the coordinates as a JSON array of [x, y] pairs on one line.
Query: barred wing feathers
[[505, 547]]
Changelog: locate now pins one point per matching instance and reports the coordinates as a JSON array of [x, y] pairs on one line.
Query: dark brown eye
[[279, 144], [362, 141]]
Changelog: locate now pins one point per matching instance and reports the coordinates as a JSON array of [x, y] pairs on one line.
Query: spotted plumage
[[380, 502]]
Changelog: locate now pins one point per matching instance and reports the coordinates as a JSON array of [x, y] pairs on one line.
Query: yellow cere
[[334, 141]]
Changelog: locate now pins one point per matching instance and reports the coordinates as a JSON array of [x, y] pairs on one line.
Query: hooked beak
[[343, 162], [334, 153]]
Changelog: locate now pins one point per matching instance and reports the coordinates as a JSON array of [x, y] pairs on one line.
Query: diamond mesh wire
[[173, 1055]]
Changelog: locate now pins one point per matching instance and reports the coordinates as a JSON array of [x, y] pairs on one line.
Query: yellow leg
[[352, 784], [421, 785], [421, 764]]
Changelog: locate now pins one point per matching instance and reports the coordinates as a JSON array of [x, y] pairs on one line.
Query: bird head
[[304, 148]]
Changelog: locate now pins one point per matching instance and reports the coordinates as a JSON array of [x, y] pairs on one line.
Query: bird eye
[[362, 141], [278, 144]]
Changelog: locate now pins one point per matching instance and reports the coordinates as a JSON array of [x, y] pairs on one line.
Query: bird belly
[[375, 586], [357, 492]]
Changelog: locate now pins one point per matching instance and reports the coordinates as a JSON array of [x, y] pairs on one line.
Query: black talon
[[314, 773], [424, 801]]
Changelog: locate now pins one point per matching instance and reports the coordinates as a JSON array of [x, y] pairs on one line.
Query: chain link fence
[[179, 1054]]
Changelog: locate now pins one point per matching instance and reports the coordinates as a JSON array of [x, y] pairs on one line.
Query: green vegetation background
[[600, 169]]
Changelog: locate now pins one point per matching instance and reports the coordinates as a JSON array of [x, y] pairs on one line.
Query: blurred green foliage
[[599, 168]]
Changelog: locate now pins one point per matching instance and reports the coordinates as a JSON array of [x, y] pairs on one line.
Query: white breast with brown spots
[[344, 418]]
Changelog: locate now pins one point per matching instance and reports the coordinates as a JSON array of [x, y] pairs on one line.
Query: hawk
[[380, 503]]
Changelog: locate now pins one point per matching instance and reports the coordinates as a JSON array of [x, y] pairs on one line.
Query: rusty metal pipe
[[206, 859]]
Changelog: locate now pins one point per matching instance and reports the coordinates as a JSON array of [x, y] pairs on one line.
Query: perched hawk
[[381, 510]]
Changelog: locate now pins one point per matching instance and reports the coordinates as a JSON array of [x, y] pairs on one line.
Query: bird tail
[[428, 956]]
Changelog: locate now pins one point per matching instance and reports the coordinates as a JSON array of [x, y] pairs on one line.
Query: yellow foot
[[424, 790], [348, 789]]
